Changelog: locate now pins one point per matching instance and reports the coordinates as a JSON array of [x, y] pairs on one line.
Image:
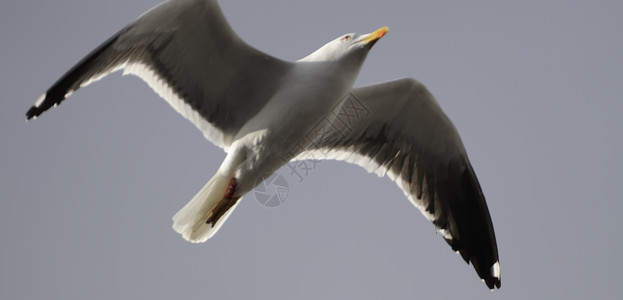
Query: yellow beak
[[376, 35]]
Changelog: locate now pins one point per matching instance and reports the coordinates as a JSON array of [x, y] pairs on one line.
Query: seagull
[[265, 112]]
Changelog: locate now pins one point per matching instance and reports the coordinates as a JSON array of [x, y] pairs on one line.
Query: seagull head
[[350, 45]]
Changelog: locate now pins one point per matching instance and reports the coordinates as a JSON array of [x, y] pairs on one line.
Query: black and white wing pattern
[[186, 51], [397, 128]]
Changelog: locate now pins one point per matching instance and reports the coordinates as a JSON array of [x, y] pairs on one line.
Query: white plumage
[[262, 111]]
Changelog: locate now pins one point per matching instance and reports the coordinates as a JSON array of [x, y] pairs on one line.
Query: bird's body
[[264, 112], [274, 136]]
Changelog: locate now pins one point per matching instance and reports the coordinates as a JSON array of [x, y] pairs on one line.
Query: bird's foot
[[229, 199]]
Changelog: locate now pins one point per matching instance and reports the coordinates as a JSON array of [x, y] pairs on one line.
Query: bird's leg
[[229, 199]]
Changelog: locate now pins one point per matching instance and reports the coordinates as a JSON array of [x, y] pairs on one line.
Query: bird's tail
[[201, 218]]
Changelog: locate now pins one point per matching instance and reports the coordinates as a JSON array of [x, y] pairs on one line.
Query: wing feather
[[407, 136], [187, 52]]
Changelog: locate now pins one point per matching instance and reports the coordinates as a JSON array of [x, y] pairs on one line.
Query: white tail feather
[[190, 221]]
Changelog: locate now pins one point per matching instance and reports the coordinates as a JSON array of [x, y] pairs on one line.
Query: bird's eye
[[346, 38]]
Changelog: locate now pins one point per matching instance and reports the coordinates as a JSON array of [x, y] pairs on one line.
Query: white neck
[[323, 53]]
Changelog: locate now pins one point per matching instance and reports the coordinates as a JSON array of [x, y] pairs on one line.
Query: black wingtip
[[493, 283], [490, 275], [470, 225], [32, 113], [94, 64], [45, 102], [37, 108], [495, 278]]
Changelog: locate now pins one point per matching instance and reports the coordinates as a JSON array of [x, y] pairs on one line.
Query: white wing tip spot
[[40, 100], [495, 270], [69, 93]]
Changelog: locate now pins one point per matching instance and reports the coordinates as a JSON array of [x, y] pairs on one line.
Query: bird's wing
[[397, 128], [187, 52]]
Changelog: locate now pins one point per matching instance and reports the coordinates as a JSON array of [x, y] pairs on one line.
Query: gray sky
[[87, 192]]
